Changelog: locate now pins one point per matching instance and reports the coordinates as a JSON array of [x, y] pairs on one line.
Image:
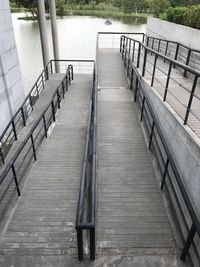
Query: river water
[[77, 40]]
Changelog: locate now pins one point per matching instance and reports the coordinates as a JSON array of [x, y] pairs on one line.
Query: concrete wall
[[174, 32], [178, 33], [11, 87], [183, 143]]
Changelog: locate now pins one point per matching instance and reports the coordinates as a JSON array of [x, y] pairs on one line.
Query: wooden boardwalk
[[133, 228], [43, 221], [45, 98], [131, 214]]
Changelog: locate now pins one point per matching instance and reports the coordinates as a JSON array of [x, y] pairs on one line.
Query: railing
[[19, 119], [185, 101], [15, 170], [187, 220], [86, 209], [113, 39], [175, 50]]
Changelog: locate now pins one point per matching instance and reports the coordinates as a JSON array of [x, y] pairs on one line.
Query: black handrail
[[130, 55], [150, 42], [21, 115], [156, 138], [86, 208], [53, 106]]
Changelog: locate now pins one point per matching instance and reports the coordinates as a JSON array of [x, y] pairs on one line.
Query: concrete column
[[43, 31], [52, 7]]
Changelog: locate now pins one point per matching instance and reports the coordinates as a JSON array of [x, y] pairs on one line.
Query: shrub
[[188, 16]]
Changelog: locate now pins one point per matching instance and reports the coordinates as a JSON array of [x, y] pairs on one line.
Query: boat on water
[[108, 22]]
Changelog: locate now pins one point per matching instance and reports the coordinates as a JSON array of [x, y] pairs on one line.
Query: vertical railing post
[[58, 98], [136, 89], [14, 129], [46, 73], [2, 155], [23, 116], [144, 62], [166, 49], [92, 244], [188, 242], [151, 136], [167, 83], [51, 66], [164, 174], [37, 90], [45, 126], [33, 147], [142, 109], [133, 54], [154, 70], [80, 244], [53, 111], [131, 80], [138, 59], [159, 45], [176, 54], [190, 100], [187, 61], [15, 179]]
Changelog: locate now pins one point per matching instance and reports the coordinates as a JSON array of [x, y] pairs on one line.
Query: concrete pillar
[[52, 7], [43, 31]]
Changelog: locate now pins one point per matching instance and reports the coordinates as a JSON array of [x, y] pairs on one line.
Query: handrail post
[[46, 73], [133, 53], [80, 244], [188, 242], [144, 62], [58, 98], [190, 100], [151, 136], [164, 174], [187, 61], [176, 54], [138, 59], [15, 179], [2, 155], [14, 129], [45, 126], [53, 111], [33, 146], [154, 70], [167, 83], [136, 89], [142, 110], [131, 80], [23, 116], [92, 244], [166, 49], [51, 66]]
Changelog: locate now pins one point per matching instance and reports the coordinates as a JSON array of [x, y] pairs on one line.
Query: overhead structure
[[52, 7], [43, 31]]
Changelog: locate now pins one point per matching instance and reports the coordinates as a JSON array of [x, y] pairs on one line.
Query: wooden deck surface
[[131, 213]]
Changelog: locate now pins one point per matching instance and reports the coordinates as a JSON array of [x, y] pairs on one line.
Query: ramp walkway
[[44, 99], [42, 223], [131, 214]]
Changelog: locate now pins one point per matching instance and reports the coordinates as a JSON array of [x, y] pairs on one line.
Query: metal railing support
[[167, 83], [154, 70], [16, 181], [188, 242], [190, 100]]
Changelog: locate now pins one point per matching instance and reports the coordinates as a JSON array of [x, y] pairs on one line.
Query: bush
[[188, 16], [193, 17]]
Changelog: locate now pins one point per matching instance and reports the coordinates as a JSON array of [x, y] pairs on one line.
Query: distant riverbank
[[84, 12]]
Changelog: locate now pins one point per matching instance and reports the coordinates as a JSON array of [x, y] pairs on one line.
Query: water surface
[[77, 40]]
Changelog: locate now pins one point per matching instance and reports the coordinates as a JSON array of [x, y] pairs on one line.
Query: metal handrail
[[128, 43], [169, 161], [23, 112], [86, 208], [58, 95], [168, 42]]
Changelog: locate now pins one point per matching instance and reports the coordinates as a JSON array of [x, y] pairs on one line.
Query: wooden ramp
[[43, 221], [131, 215]]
